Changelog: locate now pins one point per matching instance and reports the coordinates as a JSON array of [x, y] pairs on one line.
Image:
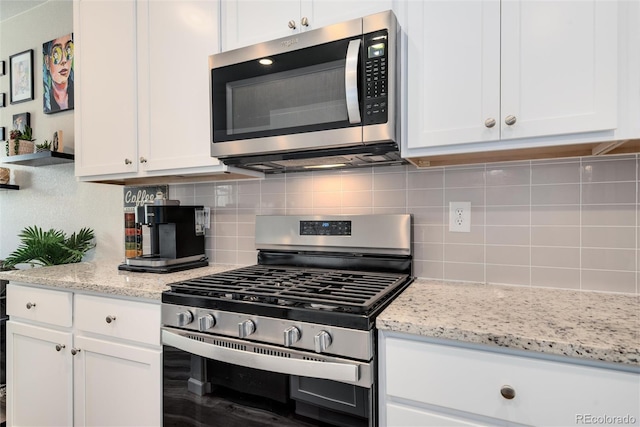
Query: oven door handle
[[351, 81], [342, 372]]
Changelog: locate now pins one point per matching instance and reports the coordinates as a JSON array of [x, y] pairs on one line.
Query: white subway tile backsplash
[[609, 170], [456, 177], [555, 173], [572, 224], [609, 193], [508, 274], [552, 194], [549, 277], [542, 256], [617, 215], [555, 236], [513, 195]]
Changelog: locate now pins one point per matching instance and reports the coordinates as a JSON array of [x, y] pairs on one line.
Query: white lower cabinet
[[39, 376], [433, 383], [103, 369]]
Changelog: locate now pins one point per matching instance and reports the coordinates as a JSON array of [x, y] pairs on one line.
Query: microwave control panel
[[376, 77]]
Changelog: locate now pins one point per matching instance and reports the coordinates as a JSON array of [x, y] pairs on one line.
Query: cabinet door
[[39, 376], [245, 22], [406, 416], [559, 67], [453, 72], [180, 36], [326, 12], [116, 384], [106, 118]]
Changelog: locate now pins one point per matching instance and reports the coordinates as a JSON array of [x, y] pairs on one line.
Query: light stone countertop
[[105, 278], [588, 325]]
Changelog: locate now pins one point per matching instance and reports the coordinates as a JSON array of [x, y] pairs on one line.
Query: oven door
[[211, 380]]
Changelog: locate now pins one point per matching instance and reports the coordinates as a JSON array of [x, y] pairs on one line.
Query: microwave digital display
[[376, 50]]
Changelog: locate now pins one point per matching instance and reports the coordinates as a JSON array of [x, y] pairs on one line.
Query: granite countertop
[[588, 325], [105, 278]]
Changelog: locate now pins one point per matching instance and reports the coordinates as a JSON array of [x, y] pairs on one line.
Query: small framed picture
[[1, 68], [21, 76], [2, 101], [20, 121], [2, 138]]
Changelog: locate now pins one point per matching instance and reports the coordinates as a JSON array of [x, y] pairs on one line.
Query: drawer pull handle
[[30, 304], [110, 319], [508, 392], [75, 351], [59, 347]]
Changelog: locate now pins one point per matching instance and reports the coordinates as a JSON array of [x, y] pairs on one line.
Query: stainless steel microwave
[[325, 97]]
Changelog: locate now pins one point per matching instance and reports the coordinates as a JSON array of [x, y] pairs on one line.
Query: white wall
[[50, 196]]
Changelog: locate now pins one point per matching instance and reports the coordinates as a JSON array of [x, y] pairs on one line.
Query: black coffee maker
[[176, 235]]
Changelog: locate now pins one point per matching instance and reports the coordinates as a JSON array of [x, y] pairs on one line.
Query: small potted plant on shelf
[[21, 142], [45, 146]]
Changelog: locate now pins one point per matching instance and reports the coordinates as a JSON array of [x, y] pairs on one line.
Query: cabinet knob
[[30, 304], [490, 122], [59, 347], [75, 351], [304, 21], [510, 120], [127, 162], [292, 24], [143, 160], [110, 319], [508, 392]]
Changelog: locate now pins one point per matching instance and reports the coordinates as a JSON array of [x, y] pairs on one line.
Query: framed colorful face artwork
[[57, 74], [21, 76]]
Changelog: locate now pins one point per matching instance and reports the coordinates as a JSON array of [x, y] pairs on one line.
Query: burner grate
[[326, 289]]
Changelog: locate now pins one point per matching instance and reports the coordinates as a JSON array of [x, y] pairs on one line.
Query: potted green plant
[[51, 247], [21, 142], [45, 146]]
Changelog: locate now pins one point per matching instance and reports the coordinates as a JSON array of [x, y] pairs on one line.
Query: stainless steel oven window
[[304, 96]]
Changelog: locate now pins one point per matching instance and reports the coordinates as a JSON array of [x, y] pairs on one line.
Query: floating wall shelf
[[8, 187], [43, 158]]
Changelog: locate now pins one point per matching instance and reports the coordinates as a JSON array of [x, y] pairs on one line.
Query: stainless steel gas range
[[290, 340]]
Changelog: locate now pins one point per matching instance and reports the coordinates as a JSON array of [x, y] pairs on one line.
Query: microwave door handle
[[351, 81]]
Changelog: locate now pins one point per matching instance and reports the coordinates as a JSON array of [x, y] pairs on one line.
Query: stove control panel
[[325, 228], [320, 338]]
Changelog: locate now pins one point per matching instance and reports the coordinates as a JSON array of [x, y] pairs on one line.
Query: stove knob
[[291, 336], [184, 318], [322, 341], [246, 328], [206, 322]]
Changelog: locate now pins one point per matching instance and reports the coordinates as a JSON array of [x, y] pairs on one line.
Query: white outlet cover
[[460, 217]]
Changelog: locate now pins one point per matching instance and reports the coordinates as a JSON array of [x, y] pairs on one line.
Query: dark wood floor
[[3, 402]]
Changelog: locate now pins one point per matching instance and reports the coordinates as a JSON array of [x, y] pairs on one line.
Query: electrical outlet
[[460, 217]]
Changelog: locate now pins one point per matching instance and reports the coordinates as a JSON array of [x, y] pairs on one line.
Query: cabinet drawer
[[130, 320], [39, 305], [470, 380]]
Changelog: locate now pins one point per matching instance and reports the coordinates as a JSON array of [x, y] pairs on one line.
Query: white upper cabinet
[[247, 22], [142, 108], [106, 119], [181, 36], [494, 75]]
